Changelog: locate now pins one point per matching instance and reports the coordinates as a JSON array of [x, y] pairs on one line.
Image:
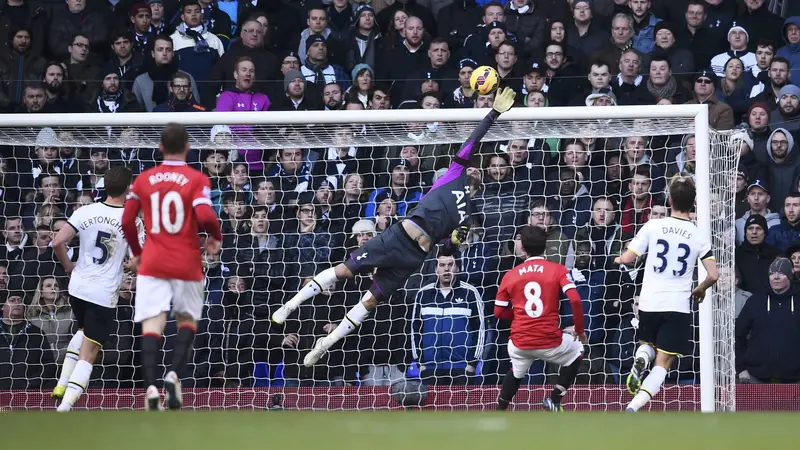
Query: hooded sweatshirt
[[790, 51], [783, 174]]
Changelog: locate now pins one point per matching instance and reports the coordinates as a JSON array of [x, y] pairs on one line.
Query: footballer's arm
[[712, 275], [64, 236]]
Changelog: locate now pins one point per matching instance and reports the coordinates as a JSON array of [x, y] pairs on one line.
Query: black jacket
[[753, 264], [61, 31], [456, 21], [15, 71], [384, 17], [37, 24], [768, 337], [26, 360], [760, 24]]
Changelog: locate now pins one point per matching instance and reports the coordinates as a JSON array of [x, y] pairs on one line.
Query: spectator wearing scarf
[[198, 50], [317, 70], [113, 98]]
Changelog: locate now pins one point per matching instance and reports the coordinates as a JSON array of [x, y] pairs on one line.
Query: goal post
[[715, 171]]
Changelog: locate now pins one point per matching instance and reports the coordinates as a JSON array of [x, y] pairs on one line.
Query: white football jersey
[[103, 248], [673, 246]]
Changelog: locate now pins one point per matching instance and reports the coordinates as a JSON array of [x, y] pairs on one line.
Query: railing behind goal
[[239, 359]]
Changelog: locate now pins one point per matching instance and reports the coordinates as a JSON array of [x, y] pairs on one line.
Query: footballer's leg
[[652, 383], [645, 354], [152, 329], [70, 361], [321, 282], [521, 361], [187, 327], [569, 356]]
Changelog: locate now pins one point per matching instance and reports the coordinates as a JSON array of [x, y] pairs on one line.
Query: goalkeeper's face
[[475, 177]]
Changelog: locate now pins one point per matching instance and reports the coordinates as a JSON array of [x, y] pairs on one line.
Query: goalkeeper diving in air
[[445, 212]]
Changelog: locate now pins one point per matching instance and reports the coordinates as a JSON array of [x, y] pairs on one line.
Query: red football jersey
[[168, 194], [533, 289]]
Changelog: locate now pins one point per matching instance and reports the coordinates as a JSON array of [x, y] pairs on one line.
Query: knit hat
[[791, 90], [313, 39], [399, 162], [706, 73], [359, 67], [360, 9], [150, 2], [664, 25], [603, 92], [741, 171], [756, 219], [575, 3], [291, 53], [781, 265], [742, 135], [496, 24], [217, 129], [46, 138], [291, 76], [467, 62], [755, 105], [740, 28]]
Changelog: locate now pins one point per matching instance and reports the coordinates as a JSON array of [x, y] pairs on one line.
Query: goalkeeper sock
[[322, 281], [351, 321], [71, 359], [647, 352], [77, 384], [508, 391], [650, 388], [565, 379], [183, 348], [150, 347]]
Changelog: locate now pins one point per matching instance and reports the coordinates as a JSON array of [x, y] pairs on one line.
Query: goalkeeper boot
[[319, 350], [552, 406], [152, 400], [172, 384], [634, 381], [58, 392], [283, 312]]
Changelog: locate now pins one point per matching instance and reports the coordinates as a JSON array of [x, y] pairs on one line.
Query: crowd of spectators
[[289, 213]]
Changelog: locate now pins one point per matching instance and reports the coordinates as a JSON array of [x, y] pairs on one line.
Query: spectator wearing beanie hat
[[754, 255], [317, 68], [297, 95], [758, 201], [787, 114], [361, 45], [113, 97], [317, 21], [681, 59], [738, 39], [720, 115]]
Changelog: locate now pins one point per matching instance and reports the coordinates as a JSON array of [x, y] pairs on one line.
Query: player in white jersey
[[673, 245], [94, 281]]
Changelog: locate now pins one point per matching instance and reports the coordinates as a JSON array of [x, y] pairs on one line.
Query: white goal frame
[[699, 114]]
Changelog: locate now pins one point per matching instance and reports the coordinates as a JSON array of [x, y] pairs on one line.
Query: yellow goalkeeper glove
[[459, 235], [504, 100]]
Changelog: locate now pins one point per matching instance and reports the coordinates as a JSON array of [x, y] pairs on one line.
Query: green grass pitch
[[385, 430]]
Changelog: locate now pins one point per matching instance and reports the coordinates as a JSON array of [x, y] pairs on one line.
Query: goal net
[[296, 192]]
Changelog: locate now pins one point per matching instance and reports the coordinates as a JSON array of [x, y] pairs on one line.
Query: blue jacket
[[645, 40], [791, 51], [404, 204], [768, 337], [783, 235], [447, 331]]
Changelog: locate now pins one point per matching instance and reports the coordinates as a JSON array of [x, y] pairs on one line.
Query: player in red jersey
[[175, 200], [529, 296]]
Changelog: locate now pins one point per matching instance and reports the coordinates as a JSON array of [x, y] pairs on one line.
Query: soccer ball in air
[[409, 393], [484, 80]]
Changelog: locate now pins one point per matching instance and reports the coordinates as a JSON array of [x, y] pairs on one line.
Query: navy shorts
[[96, 321], [668, 332], [395, 256]]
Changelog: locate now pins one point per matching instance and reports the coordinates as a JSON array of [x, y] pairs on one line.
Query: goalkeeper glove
[[504, 100], [459, 235]]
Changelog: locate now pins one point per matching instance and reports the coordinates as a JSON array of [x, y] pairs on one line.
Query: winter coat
[[174, 105], [530, 27], [37, 24], [718, 61], [589, 43], [245, 256], [384, 17], [704, 44], [790, 51], [681, 61], [221, 76], [15, 71], [57, 327], [768, 337], [353, 55], [645, 40], [791, 122], [571, 213], [760, 24], [783, 235], [753, 263], [720, 115], [26, 359], [782, 175], [197, 62], [503, 205], [88, 23], [457, 21], [605, 241], [285, 21], [738, 100], [125, 103]]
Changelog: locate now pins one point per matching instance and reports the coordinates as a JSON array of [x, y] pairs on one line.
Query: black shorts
[[96, 321], [668, 332], [394, 254]]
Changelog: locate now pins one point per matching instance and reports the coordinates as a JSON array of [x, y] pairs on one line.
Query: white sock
[[351, 321], [77, 384], [650, 388], [647, 352], [73, 349], [323, 280]]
